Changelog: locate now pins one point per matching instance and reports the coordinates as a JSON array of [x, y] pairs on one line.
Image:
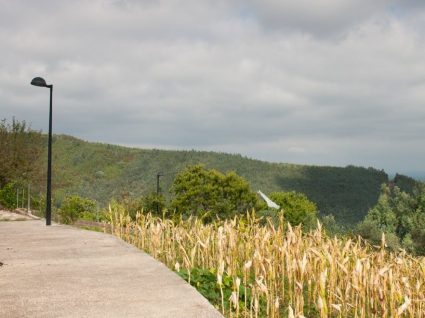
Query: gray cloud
[[335, 82], [323, 18]]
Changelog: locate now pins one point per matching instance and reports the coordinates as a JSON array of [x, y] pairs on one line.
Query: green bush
[[154, 203], [8, 196], [75, 207], [297, 208], [400, 216], [208, 192], [205, 281], [331, 227]]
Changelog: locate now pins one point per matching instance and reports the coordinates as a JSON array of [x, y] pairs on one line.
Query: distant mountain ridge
[[419, 176], [103, 171]]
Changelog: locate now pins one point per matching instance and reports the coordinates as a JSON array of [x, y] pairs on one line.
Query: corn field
[[278, 271]]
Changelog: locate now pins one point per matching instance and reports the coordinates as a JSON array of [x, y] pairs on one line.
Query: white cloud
[[334, 82]]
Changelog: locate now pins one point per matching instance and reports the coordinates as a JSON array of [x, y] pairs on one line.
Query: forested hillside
[[102, 171]]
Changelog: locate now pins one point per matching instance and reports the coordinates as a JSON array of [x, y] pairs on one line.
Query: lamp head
[[38, 81]]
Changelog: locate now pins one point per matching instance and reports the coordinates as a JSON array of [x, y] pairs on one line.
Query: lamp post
[[40, 82], [158, 175]]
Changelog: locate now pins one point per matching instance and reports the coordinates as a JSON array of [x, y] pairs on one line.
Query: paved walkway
[[61, 271]]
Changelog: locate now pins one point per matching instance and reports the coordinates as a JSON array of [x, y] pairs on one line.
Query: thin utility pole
[[29, 198], [158, 175]]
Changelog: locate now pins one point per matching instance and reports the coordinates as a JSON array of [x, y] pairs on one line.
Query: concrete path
[[61, 271]]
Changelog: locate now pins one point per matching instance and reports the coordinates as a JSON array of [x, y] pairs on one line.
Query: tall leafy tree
[[383, 214], [400, 216], [200, 191], [21, 148], [297, 208]]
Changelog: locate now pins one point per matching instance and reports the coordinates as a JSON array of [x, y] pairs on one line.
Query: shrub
[[8, 196], [297, 208], [75, 207], [200, 191]]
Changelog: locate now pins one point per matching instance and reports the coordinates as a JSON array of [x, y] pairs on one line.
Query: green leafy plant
[[400, 216], [297, 208], [75, 207], [21, 148], [199, 191], [205, 282], [8, 196]]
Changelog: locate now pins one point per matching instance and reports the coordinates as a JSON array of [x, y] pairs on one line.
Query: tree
[[8, 196], [200, 191], [150, 203], [383, 214], [405, 183], [75, 207], [297, 208], [332, 228], [21, 148], [153, 203], [400, 216]]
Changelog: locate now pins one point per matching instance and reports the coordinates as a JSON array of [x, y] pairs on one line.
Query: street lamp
[[40, 82], [158, 175]]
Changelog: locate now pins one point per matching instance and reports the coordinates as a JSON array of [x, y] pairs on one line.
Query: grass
[[248, 268], [92, 228]]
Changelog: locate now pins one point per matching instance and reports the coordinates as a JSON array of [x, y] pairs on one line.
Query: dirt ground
[[12, 216]]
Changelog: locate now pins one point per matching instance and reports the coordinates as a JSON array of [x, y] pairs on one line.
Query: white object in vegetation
[[269, 202]]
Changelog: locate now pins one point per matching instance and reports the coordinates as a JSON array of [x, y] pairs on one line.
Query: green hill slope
[[102, 172]]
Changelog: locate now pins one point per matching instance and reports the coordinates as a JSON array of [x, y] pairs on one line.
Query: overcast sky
[[326, 82]]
